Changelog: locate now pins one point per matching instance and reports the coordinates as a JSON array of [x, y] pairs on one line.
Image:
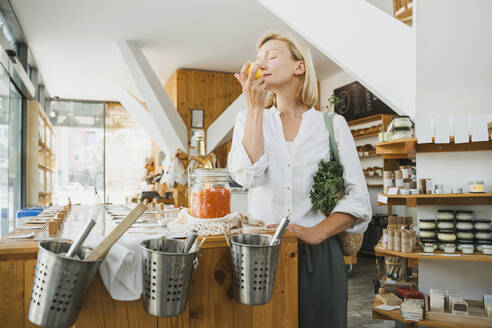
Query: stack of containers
[[456, 230], [464, 231], [399, 235], [446, 231], [483, 236]]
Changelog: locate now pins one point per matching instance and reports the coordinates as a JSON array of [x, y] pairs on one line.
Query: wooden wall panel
[[11, 294], [211, 91]]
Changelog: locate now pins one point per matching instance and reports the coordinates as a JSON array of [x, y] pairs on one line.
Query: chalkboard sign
[[358, 102]]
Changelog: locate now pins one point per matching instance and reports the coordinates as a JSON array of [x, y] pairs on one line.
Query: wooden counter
[[210, 301]]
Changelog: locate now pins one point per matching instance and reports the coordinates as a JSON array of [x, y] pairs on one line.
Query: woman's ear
[[300, 68]]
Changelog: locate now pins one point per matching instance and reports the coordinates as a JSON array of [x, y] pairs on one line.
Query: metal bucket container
[[166, 276], [60, 285], [254, 264]]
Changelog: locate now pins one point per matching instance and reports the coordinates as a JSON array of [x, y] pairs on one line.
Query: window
[[10, 152]]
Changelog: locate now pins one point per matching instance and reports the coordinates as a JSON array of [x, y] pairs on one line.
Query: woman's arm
[[254, 92], [331, 226], [247, 159]]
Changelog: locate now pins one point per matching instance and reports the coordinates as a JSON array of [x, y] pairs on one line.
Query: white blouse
[[280, 181]]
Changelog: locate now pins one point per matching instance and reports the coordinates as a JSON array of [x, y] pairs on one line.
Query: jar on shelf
[[209, 193]]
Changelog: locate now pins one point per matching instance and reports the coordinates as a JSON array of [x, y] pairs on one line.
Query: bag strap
[[333, 142]]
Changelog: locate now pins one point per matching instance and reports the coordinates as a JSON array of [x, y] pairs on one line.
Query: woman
[[277, 144]]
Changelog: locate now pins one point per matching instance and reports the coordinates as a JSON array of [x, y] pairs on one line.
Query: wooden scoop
[[105, 245]]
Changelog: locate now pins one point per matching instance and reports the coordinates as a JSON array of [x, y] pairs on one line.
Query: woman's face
[[279, 68]]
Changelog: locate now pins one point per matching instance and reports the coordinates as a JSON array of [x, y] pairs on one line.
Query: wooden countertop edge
[[17, 249]]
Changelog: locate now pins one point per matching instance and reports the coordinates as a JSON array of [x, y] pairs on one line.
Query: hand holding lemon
[[253, 86], [258, 74]]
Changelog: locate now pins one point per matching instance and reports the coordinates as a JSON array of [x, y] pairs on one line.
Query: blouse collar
[[308, 112]]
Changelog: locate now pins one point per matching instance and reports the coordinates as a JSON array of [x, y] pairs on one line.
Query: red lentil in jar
[[211, 203]]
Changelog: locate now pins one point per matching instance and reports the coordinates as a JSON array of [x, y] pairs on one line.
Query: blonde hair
[[307, 91]]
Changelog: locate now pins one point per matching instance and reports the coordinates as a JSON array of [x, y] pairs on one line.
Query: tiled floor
[[361, 294]]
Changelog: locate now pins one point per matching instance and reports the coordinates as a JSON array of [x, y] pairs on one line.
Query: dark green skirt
[[322, 285]]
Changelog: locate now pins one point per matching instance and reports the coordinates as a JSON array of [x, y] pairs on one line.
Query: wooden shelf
[[373, 176], [439, 199], [403, 148], [374, 134], [375, 185], [396, 316], [405, 14], [407, 148], [438, 255], [385, 118]]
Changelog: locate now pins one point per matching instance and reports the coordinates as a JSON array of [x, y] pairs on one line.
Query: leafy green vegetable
[[328, 182]]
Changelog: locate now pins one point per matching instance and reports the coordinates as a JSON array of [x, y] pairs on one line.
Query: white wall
[[333, 82], [454, 77], [453, 57]]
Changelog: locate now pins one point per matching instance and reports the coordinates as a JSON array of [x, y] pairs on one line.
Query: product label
[[385, 238], [399, 182]]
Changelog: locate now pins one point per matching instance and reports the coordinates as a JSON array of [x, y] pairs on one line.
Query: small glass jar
[[427, 224], [460, 243], [467, 248], [449, 248], [480, 243], [464, 215], [445, 236], [486, 249], [445, 223], [445, 215], [476, 186], [465, 234], [464, 225], [483, 235], [481, 224], [429, 247], [209, 193]]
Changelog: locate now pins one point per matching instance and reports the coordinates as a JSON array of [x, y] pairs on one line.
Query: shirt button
[[288, 210], [288, 165], [288, 187]]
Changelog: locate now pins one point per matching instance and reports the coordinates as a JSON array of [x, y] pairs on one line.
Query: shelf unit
[[395, 315], [407, 148], [438, 199], [40, 166], [437, 255]]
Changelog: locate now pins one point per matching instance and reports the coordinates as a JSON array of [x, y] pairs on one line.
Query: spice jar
[[391, 239], [406, 241], [209, 193], [397, 241], [385, 238], [476, 186], [387, 180]]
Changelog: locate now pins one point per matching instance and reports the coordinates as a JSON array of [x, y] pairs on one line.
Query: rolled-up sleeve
[[356, 200], [240, 167]]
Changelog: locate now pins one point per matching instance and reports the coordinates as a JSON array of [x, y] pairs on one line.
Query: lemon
[[258, 74]]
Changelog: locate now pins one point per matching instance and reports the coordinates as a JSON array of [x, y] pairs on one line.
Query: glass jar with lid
[[209, 193]]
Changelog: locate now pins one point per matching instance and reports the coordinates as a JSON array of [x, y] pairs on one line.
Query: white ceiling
[[74, 42]]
